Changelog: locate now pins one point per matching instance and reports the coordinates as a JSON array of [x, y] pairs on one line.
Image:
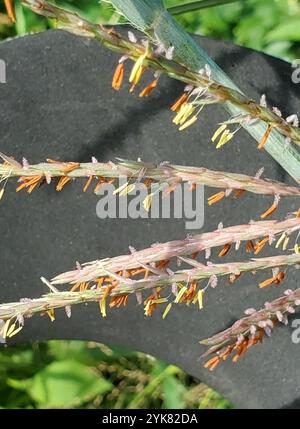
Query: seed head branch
[[185, 285], [31, 176], [251, 330], [266, 231]]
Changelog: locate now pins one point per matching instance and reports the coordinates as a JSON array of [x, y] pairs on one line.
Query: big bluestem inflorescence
[[146, 273]]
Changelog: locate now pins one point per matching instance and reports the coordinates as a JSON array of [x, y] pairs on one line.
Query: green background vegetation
[[76, 374], [88, 375], [271, 26]]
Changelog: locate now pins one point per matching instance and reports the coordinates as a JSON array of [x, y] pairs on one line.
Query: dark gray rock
[[58, 103]]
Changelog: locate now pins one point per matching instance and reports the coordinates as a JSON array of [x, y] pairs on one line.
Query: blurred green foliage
[[86, 375], [272, 26], [75, 374]]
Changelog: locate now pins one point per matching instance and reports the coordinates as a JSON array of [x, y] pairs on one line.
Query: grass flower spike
[[30, 177], [190, 246], [118, 286], [250, 331]]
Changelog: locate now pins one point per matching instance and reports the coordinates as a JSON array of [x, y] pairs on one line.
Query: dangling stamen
[[127, 190], [147, 202], [119, 300], [225, 138], [102, 307], [133, 86], [193, 187], [29, 183], [225, 250], [212, 363], [162, 264], [62, 182], [249, 246], [148, 182], [89, 181], [137, 70], [265, 137], [273, 280], [51, 314], [120, 188], [219, 131], [167, 310], [103, 181], [100, 183], [242, 348], [189, 123], [271, 209], [181, 100], [200, 298], [147, 91], [184, 113], [33, 186], [234, 277], [260, 245], [215, 198], [75, 287], [5, 179], [10, 10], [281, 240], [118, 77], [280, 277], [266, 283]]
